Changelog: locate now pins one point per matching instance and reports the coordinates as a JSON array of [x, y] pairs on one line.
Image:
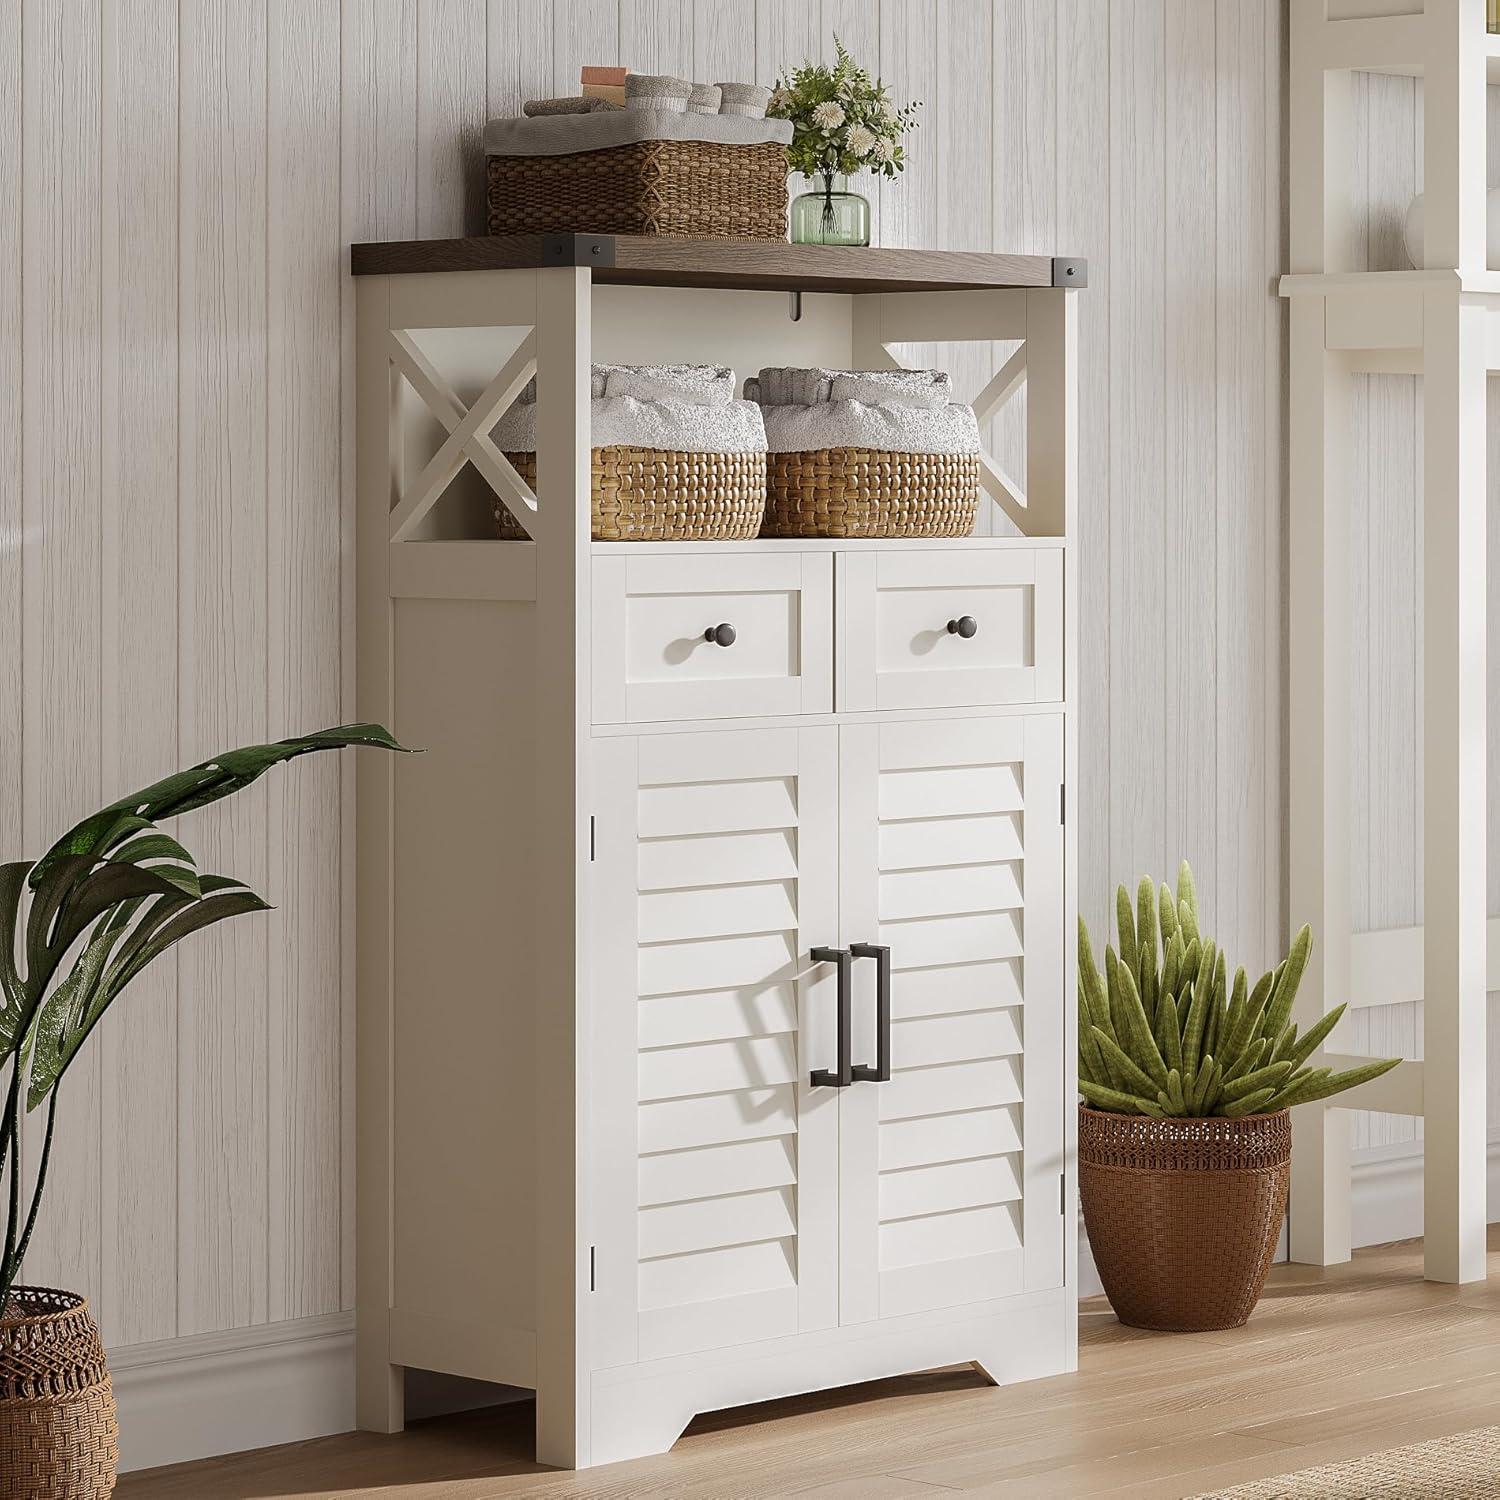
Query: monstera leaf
[[197, 787], [110, 896]]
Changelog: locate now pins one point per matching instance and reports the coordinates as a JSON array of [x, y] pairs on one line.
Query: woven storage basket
[[846, 492], [656, 495], [58, 1438], [706, 188], [1183, 1215]]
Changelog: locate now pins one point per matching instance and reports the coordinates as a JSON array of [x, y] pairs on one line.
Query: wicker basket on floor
[[656, 495], [58, 1436], [850, 492], [1183, 1215], [705, 188]]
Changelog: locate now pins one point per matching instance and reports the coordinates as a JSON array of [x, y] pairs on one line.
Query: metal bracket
[[1069, 271], [578, 249], [794, 310]]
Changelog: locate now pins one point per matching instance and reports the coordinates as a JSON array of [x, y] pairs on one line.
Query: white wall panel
[[223, 607], [304, 288], [138, 685], [174, 473], [61, 509]]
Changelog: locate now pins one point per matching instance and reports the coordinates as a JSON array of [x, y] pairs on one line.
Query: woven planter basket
[[705, 188], [656, 495], [58, 1437], [1183, 1215], [847, 492]]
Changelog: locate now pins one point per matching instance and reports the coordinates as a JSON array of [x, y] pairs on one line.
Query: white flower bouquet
[[843, 120]]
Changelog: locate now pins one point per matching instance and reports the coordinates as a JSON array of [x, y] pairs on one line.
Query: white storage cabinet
[[715, 983]]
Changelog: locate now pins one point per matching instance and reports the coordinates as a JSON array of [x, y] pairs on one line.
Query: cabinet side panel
[[464, 981]]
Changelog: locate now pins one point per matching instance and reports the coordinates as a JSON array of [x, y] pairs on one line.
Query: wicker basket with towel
[[675, 457], [666, 163], [866, 453]]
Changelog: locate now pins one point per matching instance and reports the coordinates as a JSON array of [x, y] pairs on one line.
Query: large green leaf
[[140, 949], [69, 1012], [66, 1022], [167, 858], [208, 782], [12, 887], [47, 898], [89, 899]]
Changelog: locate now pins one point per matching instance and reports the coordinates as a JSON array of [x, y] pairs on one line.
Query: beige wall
[[180, 183]]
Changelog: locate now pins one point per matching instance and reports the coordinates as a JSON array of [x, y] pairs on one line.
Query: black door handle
[[881, 1072], [842, 1076]]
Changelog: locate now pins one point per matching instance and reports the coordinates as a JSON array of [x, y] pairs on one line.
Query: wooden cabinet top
[[759, 265]]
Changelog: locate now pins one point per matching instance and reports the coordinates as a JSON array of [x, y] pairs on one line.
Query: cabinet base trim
[[643, 1409]]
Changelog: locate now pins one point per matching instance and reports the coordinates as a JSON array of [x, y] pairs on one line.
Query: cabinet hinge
[[591, 838], [1062, 1192], [1062, 802], [591, 1268]]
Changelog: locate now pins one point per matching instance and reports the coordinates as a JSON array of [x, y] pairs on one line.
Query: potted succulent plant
[[76, 927], [843, 121], [1184, 1136]]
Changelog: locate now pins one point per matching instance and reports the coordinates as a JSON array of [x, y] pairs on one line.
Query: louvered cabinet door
[[715, 1182], [951, 856]]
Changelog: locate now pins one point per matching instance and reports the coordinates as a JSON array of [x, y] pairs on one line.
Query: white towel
[[622, 421], [704, 385], [855, 424], [707, 385], [557, 135], [885, 388]]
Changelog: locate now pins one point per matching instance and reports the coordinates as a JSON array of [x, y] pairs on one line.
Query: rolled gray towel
[[579, 104], [705, 99], [657, 91], [748, 99], [791, 386]]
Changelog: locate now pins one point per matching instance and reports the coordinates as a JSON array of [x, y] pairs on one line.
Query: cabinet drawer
[[653, 661], [895, 646]]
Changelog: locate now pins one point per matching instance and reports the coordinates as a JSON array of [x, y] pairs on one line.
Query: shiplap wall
[[180, 183]]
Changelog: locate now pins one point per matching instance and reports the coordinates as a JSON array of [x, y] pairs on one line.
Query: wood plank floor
[[1334, 1364]]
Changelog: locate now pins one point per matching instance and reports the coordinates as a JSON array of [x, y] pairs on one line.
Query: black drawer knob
[[965, 625], [720, 635]]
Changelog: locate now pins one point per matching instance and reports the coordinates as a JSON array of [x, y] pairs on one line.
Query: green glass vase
[[830, 216]]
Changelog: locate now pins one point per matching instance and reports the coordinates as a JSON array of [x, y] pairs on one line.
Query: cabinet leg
[[380, 1397]]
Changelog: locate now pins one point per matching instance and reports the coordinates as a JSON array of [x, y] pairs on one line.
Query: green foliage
[[1164, 1033], [842, 119], [108, 898]]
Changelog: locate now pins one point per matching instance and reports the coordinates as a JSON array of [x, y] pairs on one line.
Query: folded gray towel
[[578, 104], [705, 99], [791, 386]]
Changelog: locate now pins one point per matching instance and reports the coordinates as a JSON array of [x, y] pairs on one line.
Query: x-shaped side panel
[[468, 437]]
